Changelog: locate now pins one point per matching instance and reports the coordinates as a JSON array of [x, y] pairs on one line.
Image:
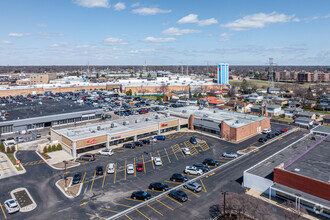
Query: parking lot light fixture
[[65, 163]]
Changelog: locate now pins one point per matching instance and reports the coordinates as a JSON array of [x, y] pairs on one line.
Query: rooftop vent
[[156, 116], [184, 111], [147, 119], [126, 123], [214, 111], [98, 128], [296, 170], [137, 120], [167, 114]]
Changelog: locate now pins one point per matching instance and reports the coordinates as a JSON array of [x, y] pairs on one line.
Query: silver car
[[229, 154], [193, 186], [11, 206]]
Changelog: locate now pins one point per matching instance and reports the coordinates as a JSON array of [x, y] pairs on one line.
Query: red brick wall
[[302, 183]]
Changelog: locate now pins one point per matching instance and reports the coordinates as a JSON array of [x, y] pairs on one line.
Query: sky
[[164, 32]]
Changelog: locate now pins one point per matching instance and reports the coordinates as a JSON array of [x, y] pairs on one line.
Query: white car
[[130, 169], [106, 152], [157, 161], [229, 154], [111, 168], [266, 131], [193, 170], [11, 206], [186, 151]]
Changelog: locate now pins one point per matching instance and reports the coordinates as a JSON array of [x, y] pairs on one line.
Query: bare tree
[[292, 214], [232, 91], [164, 88]]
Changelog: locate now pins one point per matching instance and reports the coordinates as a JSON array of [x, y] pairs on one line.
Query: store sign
[[115, 137], [93, 141], [164, 125]]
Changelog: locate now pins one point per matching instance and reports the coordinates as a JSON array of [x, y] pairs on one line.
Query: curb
[[66, 195], [55, 168], [33, 205], [24, 170]]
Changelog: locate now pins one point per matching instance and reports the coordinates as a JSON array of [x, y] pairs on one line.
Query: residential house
[[280, 101], [326, 120], [255, 98], [276, 90], [291, 112], [240, 106], [306, 114], [305, 122], [267, 110]]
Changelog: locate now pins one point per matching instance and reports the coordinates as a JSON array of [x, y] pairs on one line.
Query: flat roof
[[322, 129], [233, 119], [104, 128]]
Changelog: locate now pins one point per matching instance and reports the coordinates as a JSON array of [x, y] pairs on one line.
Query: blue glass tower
[[223, 73]]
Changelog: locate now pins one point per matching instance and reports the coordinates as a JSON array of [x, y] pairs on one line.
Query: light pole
[[224, 203], [65, 163]]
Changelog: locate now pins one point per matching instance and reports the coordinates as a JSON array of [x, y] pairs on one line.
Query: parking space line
[[134, 168], [144, 166], [109, 210], [83, 178], [153, 165], [142, 214], [174, 200], [167, 155], [155, 190], [155, 210], [171, 182], [125, 170], [165, 205], [160, 157], [114, 180], [182, 153], [190, 191], [174, 153], [93, 181], [4, 214], [106, 170], [95, 216], [128, 217], [122, 205], [203, 185], [134, 200]]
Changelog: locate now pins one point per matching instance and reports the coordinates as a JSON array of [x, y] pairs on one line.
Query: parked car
[[266, 131], [140, 195], [111, 168], [186, 151], [210, 162], [99, 170], [89, 157], [193, 140], [138, 143], [178, 177], [157, 161], [270, 135], [262, 139], [130, 169], [129, 145], [10, 138], [149, 140], [277, 133], [76, 178], [283, 130], [19, 139], [160, 137], [229, 154], [178, 195], [11, 206], [193, 186], [106, 152], [158, 186], [193, 170], [38, 135], [139, 167], [201, 167]]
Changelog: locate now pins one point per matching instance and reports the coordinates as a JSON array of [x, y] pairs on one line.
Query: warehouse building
[[98, 135], [23, 117], [298, 173], [232, 126]]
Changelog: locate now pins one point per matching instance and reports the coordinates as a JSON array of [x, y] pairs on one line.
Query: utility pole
[[224, 203]]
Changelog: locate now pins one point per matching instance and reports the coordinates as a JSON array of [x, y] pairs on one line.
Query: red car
[[139, 167], [284, 130]]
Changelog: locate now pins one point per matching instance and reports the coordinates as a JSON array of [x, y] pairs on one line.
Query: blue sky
[[171, 32]]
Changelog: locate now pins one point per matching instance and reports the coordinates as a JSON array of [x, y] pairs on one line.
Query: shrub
[[12, 149], [54, 147], [49, 149], [45, 149], [2, 147], [59, 147]]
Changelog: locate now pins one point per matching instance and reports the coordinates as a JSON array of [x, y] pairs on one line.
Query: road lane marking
[[95, 216], [83, 178], [174, 153], [84, 203], [165, 205], [122, 205], [106, 169], [128, 217], [93, 181], [203, 185], [174, 200], [114, 180], [4, 214], [155, 210], [153, 165], [167, 155], [144, 166], [142, 214], [109, 210]]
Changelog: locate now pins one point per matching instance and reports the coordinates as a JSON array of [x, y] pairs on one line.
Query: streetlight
[[65, 163]]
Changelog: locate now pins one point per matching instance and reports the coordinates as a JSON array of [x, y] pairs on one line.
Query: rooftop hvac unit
[[156, 116], [126, 123], [214, 111], [112, 125], [184, 111], [98, 128], [236, 121], [147, 119], [168, 114], [137, 120], [200, 108]]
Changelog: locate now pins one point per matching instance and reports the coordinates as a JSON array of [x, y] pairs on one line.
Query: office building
[[223, 73]]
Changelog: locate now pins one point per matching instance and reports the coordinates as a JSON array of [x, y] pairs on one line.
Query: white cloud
[[114, 41], [6, 42], [142, 51], [150, 11], [119, 6], [48, 35], [259, 20], [136, 4], [93, 3], [296, 20], [327, 16], [172, 31], [18, 34], [159, 40], [61, 44], [42, 25], [225, 37], [193, 18]]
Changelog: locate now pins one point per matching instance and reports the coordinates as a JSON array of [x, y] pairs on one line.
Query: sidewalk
[[7, 168]]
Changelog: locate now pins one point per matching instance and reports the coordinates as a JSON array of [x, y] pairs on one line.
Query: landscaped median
[[10, 151], [69, 190]]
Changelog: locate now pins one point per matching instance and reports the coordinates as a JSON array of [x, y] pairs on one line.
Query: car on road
[[99, 170], [192, 170], [193, 140], [270, 135], [262, 139], [139, 167], [202, 167], [76, 178], [160, 137], [266, 131], [11, 206], [130, 169], [277, 133], [229, 154], [178, 177], [141, 195], [89, 157], [129, 145], [157, 161], [210, 162], [193, 186], [283, 130], [138, 143], [186, 151], [111, 168], [178, 195], [106, 152], [158, 186]]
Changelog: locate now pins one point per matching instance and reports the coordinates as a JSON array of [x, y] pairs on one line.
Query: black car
[[140, 195], [158, 186], [278, 133], [76, 178], [193, 140], [99, 170], [210, 162], [178, 177], [262, 139], [146, 141], [129, 145], [202, 167], [270, 135], [178, 195], [138, 143]]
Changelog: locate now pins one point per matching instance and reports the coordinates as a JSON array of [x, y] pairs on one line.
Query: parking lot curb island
[[61, 189], [22, 171], [31, 204]]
